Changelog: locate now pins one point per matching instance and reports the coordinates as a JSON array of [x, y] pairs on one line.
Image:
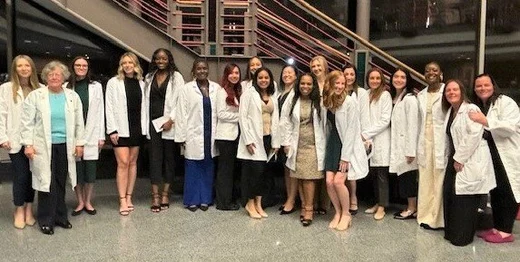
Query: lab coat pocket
[[472, 177]]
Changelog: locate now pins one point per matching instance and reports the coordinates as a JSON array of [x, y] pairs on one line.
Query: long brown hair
[[233, 90], [15, 79], [331, 100], [375, 94]]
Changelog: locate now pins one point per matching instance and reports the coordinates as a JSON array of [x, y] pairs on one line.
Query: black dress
[[133, 106], [333, 149], [460, 211]]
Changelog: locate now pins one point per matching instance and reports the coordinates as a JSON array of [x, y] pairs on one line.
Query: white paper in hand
[[159, 122]]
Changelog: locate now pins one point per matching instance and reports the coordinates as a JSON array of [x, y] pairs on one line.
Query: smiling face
[[484, 88], [263, 80], [128, 66], [81, 68], [399, 80], [200, 71], [23, 68], [453, 94], [350, 76], [305, 85], [55, 78], [339, 85], [161, 60], [254, 64], [432, 74], [234, 76], [317, 68], [288, 76], [374, 80]]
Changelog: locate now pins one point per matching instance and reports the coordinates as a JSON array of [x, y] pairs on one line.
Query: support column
[[363, 18], [10, 10], [480, 41]]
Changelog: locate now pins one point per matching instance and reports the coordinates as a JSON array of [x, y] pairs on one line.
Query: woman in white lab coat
[[91, 94], [253, 64], [23, 80], [287, 80], [320, 69], [378, 133], [162, 84], [430, 150], [52, 133], [340, 157], [126, 124], [226, 137], [195, 129], [259, 138], [501, 117], [403, 146], [304, 139], [361, 96], [469, 169]]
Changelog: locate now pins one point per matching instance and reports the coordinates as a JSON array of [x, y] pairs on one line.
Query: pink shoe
[[484, 233], [497, 238]]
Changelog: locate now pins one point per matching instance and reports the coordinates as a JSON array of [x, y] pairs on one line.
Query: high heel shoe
[[130, 207], [155, 208], [344, 223], [123, 212], [165, 204], [252, 212], [283, 212], [307, 218]]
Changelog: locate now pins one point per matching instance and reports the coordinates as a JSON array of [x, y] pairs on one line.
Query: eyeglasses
[[52, 75]]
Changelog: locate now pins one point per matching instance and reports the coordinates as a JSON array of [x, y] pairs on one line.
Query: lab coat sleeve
[[178, 83], [243, 117], [471, 136], [364, 111], [508, 121], [79, 127], [4, 108], [412, 126], [101, 113], [222, 113], [348, 128], [275, 125], [109, 105], [28, 120], [181, 121], [384, 120]]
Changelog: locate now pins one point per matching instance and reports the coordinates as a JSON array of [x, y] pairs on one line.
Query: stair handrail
[[360, 40]]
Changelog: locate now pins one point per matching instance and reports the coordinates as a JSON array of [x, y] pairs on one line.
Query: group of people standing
[[326, 130]]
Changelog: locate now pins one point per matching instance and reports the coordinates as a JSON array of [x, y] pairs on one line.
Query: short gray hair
[[51, 66]]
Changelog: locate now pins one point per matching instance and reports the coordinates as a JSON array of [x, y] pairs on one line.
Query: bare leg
[[132, 175], [331, 190], [291, 194], [309, 187], [344, 201], [79, 196], [251, 209], [87, 195], [29, 216], [258, 206], [165, 201], [352, 187], [122, 157]]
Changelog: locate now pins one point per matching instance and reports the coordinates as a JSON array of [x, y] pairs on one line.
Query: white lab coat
[[36, 131], [251, 126], [291, 132], [190, 120], [116, 108], [471, 150], [227, 118], [95, 126], [404, 132], [175, 83], [504, 124], [11, 116], [352, 150], [364, 109], [378, 131], [438, 128]]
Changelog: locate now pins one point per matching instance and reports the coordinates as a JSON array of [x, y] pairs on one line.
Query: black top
[[448, 133], [157, 97], [133, 104]]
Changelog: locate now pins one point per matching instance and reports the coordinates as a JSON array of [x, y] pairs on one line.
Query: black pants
[[503, 202], [162, 158], [380, 181], [51, 205], [22, 179], [225, 172], [460, 211]]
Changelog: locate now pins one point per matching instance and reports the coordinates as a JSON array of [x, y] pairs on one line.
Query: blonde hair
[[375, 94], [322, 61], [137, 69], [15, 79], [331, 100]]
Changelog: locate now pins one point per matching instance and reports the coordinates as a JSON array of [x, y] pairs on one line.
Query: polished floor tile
[[180, 235]]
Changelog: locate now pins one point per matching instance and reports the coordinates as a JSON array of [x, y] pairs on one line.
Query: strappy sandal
[[406, 214], [155, 208], [306, 220], [130, 208], [124, 212], [167, 204], [353, 210]]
